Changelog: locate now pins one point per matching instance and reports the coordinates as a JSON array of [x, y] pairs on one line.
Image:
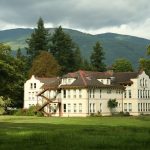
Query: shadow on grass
[[41, 136]]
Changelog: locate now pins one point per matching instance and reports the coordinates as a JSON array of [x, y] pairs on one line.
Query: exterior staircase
[[49, 101]]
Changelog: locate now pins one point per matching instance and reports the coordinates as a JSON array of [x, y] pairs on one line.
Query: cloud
[[121, 16]]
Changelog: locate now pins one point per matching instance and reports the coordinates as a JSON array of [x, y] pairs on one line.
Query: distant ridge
[[115, 45]]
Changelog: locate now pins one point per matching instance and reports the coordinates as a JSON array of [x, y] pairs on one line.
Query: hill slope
[[115, 45]]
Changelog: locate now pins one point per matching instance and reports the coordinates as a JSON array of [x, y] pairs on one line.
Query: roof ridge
[[81, 74]]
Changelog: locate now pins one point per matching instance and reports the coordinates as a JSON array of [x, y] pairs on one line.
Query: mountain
[[115, 45]]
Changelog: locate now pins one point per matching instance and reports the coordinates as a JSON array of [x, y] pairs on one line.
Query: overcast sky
[[130, 17]]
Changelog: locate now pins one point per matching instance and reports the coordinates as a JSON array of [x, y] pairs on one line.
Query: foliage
[[44, 65], [144, 64], [97, 58], [38, 41], [32, 111], [62, 48], [78, 59], [86, 65], [112, 103], [4, 104], [115, 45], [12, 70], [148, 50], [122, 65]]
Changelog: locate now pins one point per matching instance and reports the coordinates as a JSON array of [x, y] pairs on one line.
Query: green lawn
[[40, 133]]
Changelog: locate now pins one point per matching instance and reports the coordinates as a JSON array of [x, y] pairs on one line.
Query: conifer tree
[[78, 59], [39, 40], [97, 58], [62, 48]]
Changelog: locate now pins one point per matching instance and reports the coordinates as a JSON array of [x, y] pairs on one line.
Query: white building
[[83, 93]]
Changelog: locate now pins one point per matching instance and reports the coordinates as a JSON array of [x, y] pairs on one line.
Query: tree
[[78, 59], [4, 103], [112, 104], [44, 65], [38, 41], [122, 65], [11, 70], [148, 50], [144, 64], [97, 58], [62, 48]]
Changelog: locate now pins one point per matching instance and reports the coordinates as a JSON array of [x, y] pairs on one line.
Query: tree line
[[50, 55]]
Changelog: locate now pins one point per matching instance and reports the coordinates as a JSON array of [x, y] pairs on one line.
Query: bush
[[32, 111]]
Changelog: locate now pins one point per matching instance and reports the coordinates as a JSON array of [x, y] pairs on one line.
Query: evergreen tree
[[44, 65], [39, 40], [19, 54], [86, 65], [78, 59], [122, 65], [62, 48], [97, 58]]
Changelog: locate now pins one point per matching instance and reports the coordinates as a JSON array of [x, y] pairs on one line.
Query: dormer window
[[34, 85]]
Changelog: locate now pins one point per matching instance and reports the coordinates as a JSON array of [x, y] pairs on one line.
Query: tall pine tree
[[39, 40], [63, 49], [97, 58]]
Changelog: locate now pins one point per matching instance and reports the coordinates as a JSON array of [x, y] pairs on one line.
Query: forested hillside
[[115, 45]]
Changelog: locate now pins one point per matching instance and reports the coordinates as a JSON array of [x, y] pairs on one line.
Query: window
[[145, 93], [108, 91], [68, 93], [100, 108], [143, 106], [64, 92], [148, 106], [74, 93], [93, 108], [34, 85], [125, 107], [75, 107], [69, 107], [108, 81], [141, 82], [139, 107], [141, 94], [90, 107], [100, 93], [80, 94], [130, 107], [64, 108], [31, 85], [90, 93], [93, 93], [138, 93], [54, 108], [80, 107], [125, 94], [129, 93]]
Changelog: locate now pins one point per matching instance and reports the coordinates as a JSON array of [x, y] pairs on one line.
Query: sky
[[131, 17]]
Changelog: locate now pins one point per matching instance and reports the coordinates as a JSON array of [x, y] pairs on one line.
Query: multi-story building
[[83, 93]]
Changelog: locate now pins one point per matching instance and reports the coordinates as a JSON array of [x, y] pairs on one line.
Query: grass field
[[91, 133]]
